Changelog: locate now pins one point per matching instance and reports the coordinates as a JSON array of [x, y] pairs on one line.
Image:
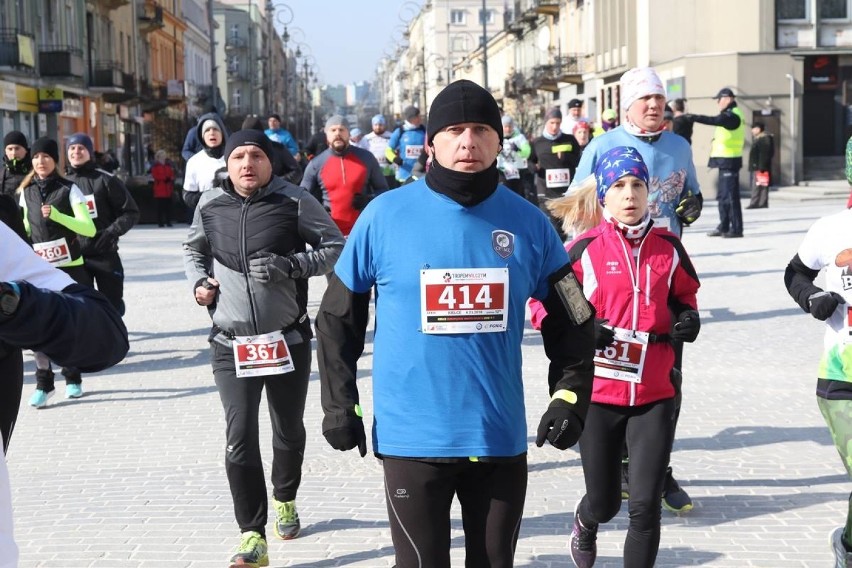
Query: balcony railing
[[563, 69], [517, 85], [236, 76], [113, 4], [106, 75], [17, 50], [128, 85], [149, 16], [234, 42], [60, 61]]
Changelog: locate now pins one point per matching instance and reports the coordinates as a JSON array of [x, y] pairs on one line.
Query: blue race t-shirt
[[457, 394]]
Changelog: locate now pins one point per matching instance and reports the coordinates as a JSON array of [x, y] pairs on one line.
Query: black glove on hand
[[269, 267], [359, 201], [107, 242], [689, 209], [687, 326], [822, 304], [603, 335], [560, 425], [397, 161], [348, 437]]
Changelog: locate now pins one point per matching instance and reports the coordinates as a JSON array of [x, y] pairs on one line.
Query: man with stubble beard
[[344, 177]]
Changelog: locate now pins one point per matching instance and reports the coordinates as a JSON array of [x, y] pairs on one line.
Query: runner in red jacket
[[643, 287]]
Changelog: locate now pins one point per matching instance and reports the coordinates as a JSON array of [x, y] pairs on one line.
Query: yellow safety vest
[[729, 143]]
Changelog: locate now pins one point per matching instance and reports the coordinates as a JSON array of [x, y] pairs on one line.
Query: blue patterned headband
[[615, 164]]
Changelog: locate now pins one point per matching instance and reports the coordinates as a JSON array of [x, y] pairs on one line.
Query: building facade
[[788, 61]]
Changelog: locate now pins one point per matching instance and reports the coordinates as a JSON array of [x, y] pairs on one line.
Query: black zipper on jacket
[[244, 253]]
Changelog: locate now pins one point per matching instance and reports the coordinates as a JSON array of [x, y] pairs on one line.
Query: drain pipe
[[794, 145]]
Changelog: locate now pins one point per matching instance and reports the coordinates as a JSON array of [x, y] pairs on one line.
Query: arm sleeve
[[188, 149], [570, 348], [190, 182], [685, 283], [726, 119], [799, 281], [341, 326], [290, 142], [310, 181], [849, 160], [76, 327], [377, 181], [23, 204], [318, 230], [127, 212], [587, 164], [81, 223], [197, 256], [524, 146]]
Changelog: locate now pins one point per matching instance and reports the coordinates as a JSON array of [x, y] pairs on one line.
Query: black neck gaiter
[[216, 152], [463, 188]]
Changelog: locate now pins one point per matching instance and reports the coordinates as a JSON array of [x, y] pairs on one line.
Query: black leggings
[[285, 395], [419, 495], [648, 430], [107, 272], [11, 383]]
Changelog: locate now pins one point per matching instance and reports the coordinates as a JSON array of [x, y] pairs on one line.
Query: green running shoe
[[253, 551], [675, 499], [287, 525]]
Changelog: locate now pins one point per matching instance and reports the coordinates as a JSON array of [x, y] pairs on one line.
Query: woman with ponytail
[[55, 216], [643, 287]]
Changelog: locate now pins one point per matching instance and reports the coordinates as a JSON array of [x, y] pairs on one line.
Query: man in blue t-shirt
[[454, 258]]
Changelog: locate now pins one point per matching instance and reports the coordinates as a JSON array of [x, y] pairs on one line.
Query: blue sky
[[346, 37]]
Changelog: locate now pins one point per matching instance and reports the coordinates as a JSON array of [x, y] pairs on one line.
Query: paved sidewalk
[[132, 474]]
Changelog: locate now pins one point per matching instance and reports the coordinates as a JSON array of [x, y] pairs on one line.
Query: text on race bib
[[464, 300], [557, 177], [624, 358], [266, 354], [54, 252]]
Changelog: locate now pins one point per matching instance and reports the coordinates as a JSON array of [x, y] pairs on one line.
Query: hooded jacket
[[201, 168]]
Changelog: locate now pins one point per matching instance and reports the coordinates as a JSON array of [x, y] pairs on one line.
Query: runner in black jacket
[[114, 212]]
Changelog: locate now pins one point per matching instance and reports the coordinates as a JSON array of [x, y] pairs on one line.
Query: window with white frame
[[487, 17], [791, 10], [457, 17], [834, 9], [459, 44]]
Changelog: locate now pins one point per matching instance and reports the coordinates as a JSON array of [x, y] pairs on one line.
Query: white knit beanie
[[640, 82]]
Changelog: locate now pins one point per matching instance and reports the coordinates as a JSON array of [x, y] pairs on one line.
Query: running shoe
[[842, 557], [583, 543], [40, 397], [675, 499], [625, 479], [252, 552], [73, 390], [287, 525]]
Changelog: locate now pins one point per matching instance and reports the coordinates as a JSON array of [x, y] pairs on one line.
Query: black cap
[[47, 146], [15, 137], [575, 103], [252, 123], [463, 101], [725, 92], [248, 138]]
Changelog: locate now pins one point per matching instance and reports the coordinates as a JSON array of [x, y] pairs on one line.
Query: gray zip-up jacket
[[228, 230]]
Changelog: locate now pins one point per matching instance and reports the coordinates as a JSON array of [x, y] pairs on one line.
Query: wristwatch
[[295, 269], [10, 296]]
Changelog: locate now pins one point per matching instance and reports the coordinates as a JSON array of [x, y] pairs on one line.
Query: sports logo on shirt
[[503, 243], [844, 260]]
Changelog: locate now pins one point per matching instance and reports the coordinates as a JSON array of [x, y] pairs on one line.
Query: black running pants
[[419, 495]]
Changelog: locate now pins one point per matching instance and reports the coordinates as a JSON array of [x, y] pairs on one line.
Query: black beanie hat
[[248, 138], [463, 101], [46, 145], [15, 137]]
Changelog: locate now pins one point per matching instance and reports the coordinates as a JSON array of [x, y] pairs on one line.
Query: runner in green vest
[[726, 153]]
